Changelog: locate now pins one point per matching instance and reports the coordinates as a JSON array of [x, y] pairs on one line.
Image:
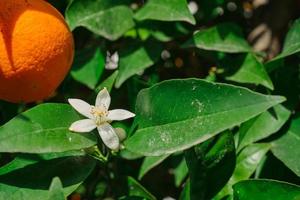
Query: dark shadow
[[227, 29], [71, 170], [232, 63]]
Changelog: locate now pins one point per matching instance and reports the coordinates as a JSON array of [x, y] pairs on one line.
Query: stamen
[[100, 113]]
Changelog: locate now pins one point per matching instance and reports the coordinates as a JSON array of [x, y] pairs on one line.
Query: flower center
[[100, 113]]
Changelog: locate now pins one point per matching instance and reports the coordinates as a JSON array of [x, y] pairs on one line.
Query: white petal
[[109, 136], [112, 61], [111, 66], [103, 98], [119, 114], [82, 107], [83, 126], [115, 57]]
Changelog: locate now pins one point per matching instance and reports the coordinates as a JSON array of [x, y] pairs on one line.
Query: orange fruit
[[36, 50]]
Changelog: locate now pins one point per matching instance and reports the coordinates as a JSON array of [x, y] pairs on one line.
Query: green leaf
[[136, 189], [108, 83], [247, 162], [265, 190], [149, 163], [44, 129], [263, 125], [136, 59], [109, 19], [24, 160], [185, 193], [165, 10], [32, 182], [292, 42], [225, 37], [180, 172], [252, 71], [286, 148], [56, 190], [210, 166], [177, 114], [88, 67]]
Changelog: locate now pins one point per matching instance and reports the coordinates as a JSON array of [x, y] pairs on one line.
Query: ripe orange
[[36, 50]]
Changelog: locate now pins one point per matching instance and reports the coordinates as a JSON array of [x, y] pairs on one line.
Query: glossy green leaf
[[287, 147], [136, 59], [210, 166], [32, 182], [246, 163], [291, 43], [56, 190], [225, 37], [165, 10], [109, 19], [149, 163], [252, 71], [265, 190], [108, 83], [263, 125], [177, 114], [88, 67], [44, 129], [136, 189]]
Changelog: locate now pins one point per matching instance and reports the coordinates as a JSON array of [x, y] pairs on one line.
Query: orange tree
[[210, 87]]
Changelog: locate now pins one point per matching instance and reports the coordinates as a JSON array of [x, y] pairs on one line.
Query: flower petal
[[119, 114], [82, 107], [112, 61], [103, 98], [109, 136], [83, 126]]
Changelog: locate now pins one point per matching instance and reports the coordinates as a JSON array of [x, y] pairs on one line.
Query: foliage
[[216, 117]]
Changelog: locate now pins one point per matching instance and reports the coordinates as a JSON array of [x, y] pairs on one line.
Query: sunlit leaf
[[177, 114], [44, 129], [165, 10], [223, 37], [109, 19], [265, 190]]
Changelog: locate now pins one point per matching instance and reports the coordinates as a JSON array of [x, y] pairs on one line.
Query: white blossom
[[112, 61], [99, 117]]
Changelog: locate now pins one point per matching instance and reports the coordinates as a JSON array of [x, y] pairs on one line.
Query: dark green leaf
[[136, 189], [265, 190], [165, 10], [292, 42], [287, 147], [23, 160], [185, 193], [252, 71], [44, 129], [136, 59], [223, 37], [108, 83], [210, 166], [32, 182], [180, 172], [149, 163], [88, 67], [263, 125], [247, 162], [109, 19], [177, 114]]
